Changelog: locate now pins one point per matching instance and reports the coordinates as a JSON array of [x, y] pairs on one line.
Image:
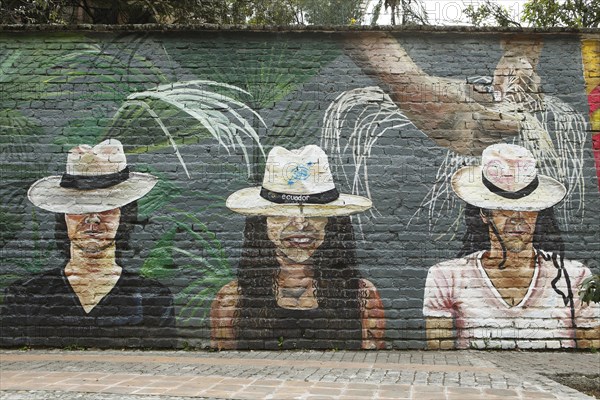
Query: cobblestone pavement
[[178, 375]]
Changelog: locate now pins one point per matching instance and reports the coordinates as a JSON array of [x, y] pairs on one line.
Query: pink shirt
[[461, 289]]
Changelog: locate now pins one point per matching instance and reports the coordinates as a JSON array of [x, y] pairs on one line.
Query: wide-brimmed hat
[[96, 179], [296, 183], [507, 180]]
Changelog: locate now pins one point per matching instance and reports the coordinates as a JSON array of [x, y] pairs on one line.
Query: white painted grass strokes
[[560, 158], [214, 110]]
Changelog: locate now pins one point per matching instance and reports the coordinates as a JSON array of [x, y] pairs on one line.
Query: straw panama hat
[[296, 183], [96, 179], [507, 180]]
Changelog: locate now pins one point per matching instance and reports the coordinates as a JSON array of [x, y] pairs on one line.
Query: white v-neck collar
[[488, 281]]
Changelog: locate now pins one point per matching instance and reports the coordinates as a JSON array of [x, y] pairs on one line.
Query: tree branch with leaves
[[538, 13]]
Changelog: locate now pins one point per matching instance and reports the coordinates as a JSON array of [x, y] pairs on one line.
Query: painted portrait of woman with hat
[[298, 285], [512, 286], [93, 299]]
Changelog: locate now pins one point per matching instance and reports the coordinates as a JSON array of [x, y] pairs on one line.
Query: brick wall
[[204, 114]]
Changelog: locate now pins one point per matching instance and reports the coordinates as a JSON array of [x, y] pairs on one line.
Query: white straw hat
[[96, 179], [507, 180], [296, 183]]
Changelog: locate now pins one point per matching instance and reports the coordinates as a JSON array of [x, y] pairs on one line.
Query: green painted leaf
[[19, 168], [159, 263], [202, 260], [589, 290], [160, 196], [261, 68]]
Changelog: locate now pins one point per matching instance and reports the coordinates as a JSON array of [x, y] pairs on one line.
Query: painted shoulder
[[367, 284], [456, 263], [227, 296], [39, 283]]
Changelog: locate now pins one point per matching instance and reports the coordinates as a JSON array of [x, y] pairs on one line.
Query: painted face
[[93, 232], [515, 228], [297, 237]]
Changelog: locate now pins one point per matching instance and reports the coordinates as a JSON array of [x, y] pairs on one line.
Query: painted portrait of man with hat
[[93, 299], [298, 285], [512, 286]]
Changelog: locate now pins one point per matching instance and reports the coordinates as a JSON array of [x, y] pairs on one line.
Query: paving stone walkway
[[172, 375]]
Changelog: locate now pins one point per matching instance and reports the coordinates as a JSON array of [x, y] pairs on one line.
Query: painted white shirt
[[461, 289]]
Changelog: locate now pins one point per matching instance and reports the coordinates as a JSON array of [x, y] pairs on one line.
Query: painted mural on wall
[[339, 233], [513, 287], [465, 116], [95, 203], [298, 264], [590, 52]]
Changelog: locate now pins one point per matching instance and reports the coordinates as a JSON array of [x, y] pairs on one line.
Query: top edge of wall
[[289, 28]]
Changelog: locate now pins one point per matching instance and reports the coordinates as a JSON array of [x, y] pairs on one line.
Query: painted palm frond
[[271, 80], [202, 260], [118, 66], [14, 265], [109, 71], [210, 104], [19, 168], [440, 201], [94, 76], [164, 193], [268, 75], [571, 130], [351, 126]]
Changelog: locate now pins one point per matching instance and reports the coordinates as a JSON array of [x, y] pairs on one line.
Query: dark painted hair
[[335, 275], [127, 222], [546, 237]]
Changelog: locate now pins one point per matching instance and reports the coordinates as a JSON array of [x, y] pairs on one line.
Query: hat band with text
[[82, 182], [315, 198]]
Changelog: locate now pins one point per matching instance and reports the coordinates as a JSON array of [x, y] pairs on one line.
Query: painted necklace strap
[[286, 198], [94, 182]]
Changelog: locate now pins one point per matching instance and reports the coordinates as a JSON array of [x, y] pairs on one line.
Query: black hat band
[[526, 191], [82, 182], [313, 198]]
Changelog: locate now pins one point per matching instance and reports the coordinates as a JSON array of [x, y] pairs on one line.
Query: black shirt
[[45, 310]]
